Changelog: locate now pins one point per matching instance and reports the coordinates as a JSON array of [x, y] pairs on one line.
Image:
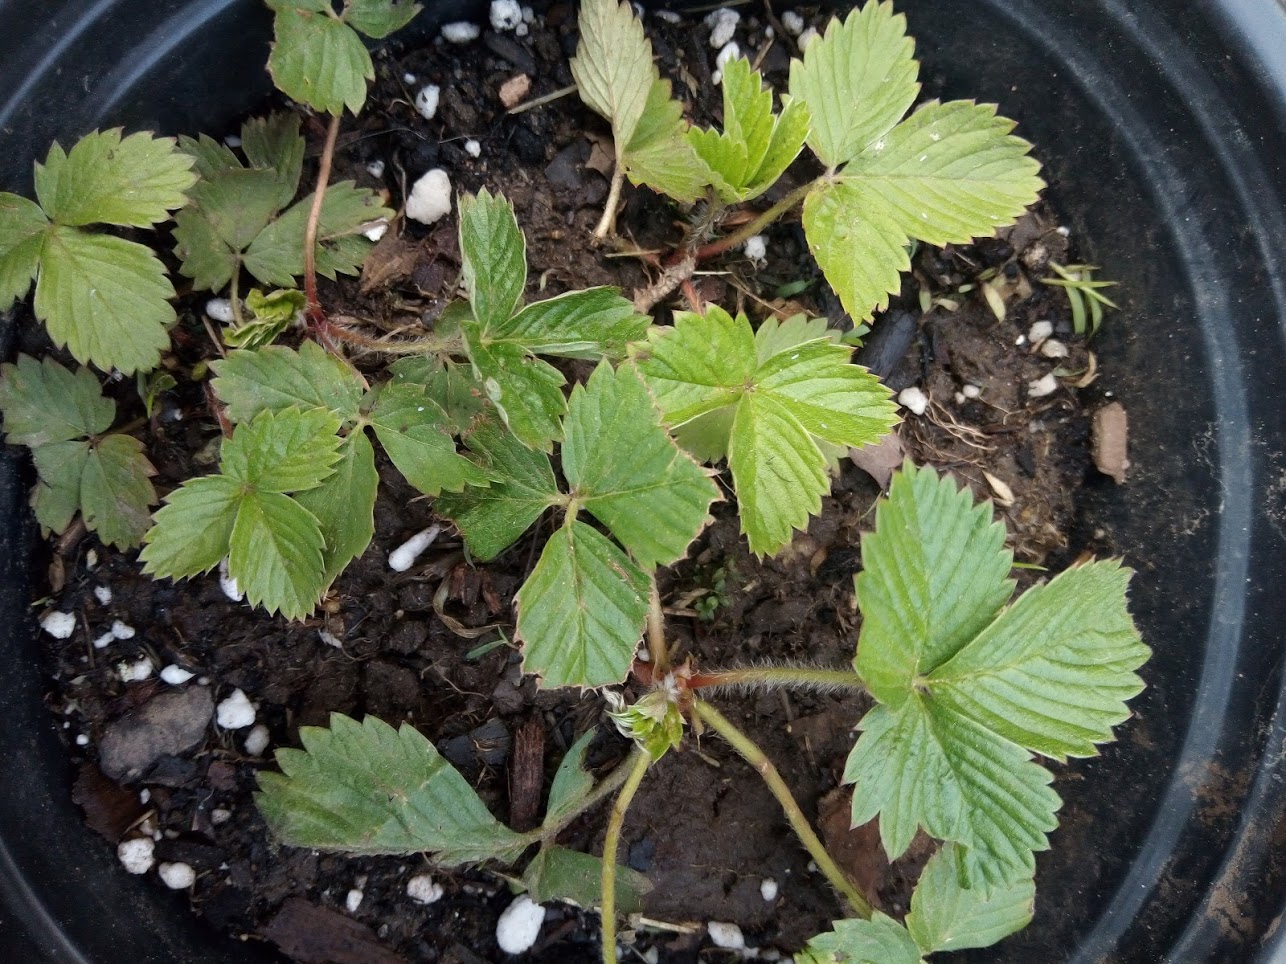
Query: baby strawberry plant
[[971, 687]]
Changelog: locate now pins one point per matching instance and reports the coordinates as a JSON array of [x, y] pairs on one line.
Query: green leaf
[[277, 378], [276, 257], [272, 314], [493, 256], [344, 505], [274, 143], [755, 147], [773, 337], [22, 232], [948, 173], [105, 298], [1053, 671], [556, 873], [659, 153], [880, 940], [151, 385], [857, 81], [450, 385], [523, 486], [276, 554], [366, 788], [283, 451], [230, 210], [43, 402], [613, 66], [581, 611], [572, 783], [591, 324], [318, 60], [116, 492], [191, 532], [947, 917], [967, 694], [934, 573], [527, 392], [379, 18], [768, 403], [203, 255], [208, 155], [60, 466], [416, 435], [922, 765], [624, 468], [134, 181]]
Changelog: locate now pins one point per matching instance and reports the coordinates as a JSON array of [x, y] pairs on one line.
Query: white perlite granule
[[423, 889], [519, 925], [460, 32], [430, 199], [236, 712], [137, 856]]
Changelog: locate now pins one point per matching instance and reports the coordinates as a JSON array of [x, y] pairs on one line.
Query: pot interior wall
[[1162, 141]]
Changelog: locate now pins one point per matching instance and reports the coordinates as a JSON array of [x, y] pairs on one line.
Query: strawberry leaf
[[276, 378], [493, 254], [43, 402], [416, 434], [60, 466], [768, 404], [344, 505], [880, 940], [947, 917], [967, 693], [590, 324], [116, 493], [22, 236], [379, 18], [319, 60], [275, 554], [191, 532], [274, 143], [527, 392], [283, 451], [451, 385], [557, 873], [366, 788]]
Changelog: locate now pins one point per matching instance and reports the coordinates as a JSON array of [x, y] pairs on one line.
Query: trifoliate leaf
[[22, 236], [880, 940], [616, 77], [591, 324], [209, 156], [379, 18], [934, 573], [581, 612], [625, 470], [116, 493], [857, 81], [276, 257], [946, 174], [275, 554], [43, 402], [557, 873], [344, 505], [967, 695], [60, 466], [572, 783], [493, 256], [783, 405], [318, 60], [523, 486], [229, 211], [659, 153], [366, 788], [613, 66], [450, 385], [106, 179], [416, 434], [105, 298], [274, 142], [946, 917], [191, 532], [755, 147], [277, 378], [527, 392]]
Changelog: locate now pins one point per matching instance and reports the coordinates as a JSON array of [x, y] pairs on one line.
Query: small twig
[[544, 99], [751, 753], [611, 844], [209, 330], [315, 313]]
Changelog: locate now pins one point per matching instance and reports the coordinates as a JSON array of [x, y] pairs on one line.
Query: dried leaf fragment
[[1111, 441]]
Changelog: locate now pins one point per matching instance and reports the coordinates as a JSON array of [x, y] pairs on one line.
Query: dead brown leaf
[[390, 261], [602, 156], [880, 460]]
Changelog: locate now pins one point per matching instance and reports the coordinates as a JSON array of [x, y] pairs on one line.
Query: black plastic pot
[[1162, 124]]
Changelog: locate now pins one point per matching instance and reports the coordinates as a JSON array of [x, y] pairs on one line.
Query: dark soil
[[704, 828]]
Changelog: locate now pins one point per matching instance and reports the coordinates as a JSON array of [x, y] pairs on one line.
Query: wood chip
[[526, 774], [515, 90], [317, 935], [881, 460], [1111, 441], [1004, 494]]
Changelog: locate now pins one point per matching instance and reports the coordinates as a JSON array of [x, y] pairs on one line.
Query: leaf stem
[[610, 846], [315, 313], [779, 677], [656, 647], [605, 788], [751, 228], [234, 297], [607, 223], [751, 753]]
